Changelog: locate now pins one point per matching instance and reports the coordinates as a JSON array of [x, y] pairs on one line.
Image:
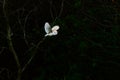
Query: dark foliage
[[86, 48]]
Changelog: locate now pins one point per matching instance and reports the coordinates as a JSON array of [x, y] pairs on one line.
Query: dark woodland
[[87, 46]]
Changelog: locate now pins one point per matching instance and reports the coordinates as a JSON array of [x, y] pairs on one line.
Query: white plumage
[[51, 31]]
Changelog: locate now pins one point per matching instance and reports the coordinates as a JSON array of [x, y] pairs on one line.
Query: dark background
[[87, 46]]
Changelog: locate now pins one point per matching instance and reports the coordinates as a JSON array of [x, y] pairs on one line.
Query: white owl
[[51, 31]]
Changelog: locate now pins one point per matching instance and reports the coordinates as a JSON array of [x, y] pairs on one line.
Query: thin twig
[[51, 12], [7, 71], [36, 47], [11, 48], [60, 12], [24, 31]]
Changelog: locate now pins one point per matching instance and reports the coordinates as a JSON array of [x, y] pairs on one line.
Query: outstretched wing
[[47, 27], [55, 28]]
